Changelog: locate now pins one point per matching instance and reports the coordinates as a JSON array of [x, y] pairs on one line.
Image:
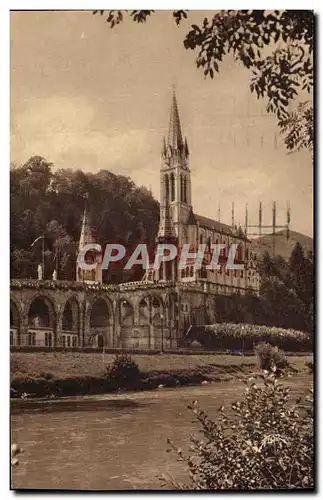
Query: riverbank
[[115, 441], [71, 374]]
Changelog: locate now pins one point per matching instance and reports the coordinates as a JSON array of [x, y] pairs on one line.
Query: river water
[[112, 442]]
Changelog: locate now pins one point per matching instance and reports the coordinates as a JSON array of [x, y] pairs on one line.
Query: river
[[111, 442]]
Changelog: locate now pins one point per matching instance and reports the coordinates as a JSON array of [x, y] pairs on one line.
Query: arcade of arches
[[136, 316], [86, 318]]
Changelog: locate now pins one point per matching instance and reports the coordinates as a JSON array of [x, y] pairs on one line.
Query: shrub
[[242, 337], [263, 444], [270, 356], [123, 373], [309, 365]]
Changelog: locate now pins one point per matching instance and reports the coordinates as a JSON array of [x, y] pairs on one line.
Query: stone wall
[[129, 316]]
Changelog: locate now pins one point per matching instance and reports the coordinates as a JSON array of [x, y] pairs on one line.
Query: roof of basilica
[[217, 226]]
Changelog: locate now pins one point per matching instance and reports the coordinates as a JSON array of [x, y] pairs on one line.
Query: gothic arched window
[[185, 190], [182, 188], [172, 187], [166, 186]]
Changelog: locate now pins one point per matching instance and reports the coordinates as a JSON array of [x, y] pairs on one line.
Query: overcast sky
[[85, 96]]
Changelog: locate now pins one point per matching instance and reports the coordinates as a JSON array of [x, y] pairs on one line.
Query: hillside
[[284, 246]]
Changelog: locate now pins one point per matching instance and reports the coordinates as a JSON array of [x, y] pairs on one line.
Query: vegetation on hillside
[[51, 202], [286, 296]]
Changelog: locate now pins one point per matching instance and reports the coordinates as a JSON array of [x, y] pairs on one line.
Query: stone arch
[[201, 237], [157, 309], [42, 320], [14, 314], [15, 321], [126, 311], [156, 298], [70, 324], [100, 313], [100, 322], [185, 190], [144, 312], [71, 315], [41, 312]]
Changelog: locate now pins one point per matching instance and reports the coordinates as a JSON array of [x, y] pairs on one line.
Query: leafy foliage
[[270, 357], [276, 46], [244, 337], [263, 443], [310, 366], [44, 201], [286, 291], [124, 372], [139, 16]]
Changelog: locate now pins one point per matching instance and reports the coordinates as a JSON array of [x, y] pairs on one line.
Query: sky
[[88, 97]]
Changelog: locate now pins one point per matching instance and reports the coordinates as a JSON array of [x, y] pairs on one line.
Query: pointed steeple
[[86, 234], [164, 148], [175, 138], [186, 150], [92, 256]]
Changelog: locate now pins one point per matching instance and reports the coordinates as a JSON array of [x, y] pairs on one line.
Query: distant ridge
[[284, 246]]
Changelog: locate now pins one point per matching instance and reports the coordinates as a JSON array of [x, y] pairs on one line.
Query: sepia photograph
[[162, 310]]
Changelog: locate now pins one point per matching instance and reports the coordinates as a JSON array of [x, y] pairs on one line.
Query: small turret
[[86, 237], [164, 148]]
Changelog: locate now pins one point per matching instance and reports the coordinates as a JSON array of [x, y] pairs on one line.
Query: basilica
[[180, 225], [156, 312]]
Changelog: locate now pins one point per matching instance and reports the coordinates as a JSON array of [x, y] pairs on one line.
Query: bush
[[309, 365], [264, 444], [124, 372], [243, 337], [270, 356]]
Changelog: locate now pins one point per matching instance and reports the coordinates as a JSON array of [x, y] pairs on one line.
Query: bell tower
[[175, 180]]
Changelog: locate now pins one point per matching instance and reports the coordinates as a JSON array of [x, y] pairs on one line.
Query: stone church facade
[[179, 224], [156, 312]]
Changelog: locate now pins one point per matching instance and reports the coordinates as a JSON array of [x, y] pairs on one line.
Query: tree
[[276, 46], [262, 442], [50, 202], [286, 292]]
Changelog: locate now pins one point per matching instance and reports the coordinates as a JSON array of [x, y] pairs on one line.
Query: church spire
[[86, 234], [92, 256], [175, 138]]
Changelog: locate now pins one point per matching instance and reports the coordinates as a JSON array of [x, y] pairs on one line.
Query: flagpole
[[43, 256]]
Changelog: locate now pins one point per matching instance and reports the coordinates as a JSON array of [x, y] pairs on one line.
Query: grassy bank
[[66, 374]]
